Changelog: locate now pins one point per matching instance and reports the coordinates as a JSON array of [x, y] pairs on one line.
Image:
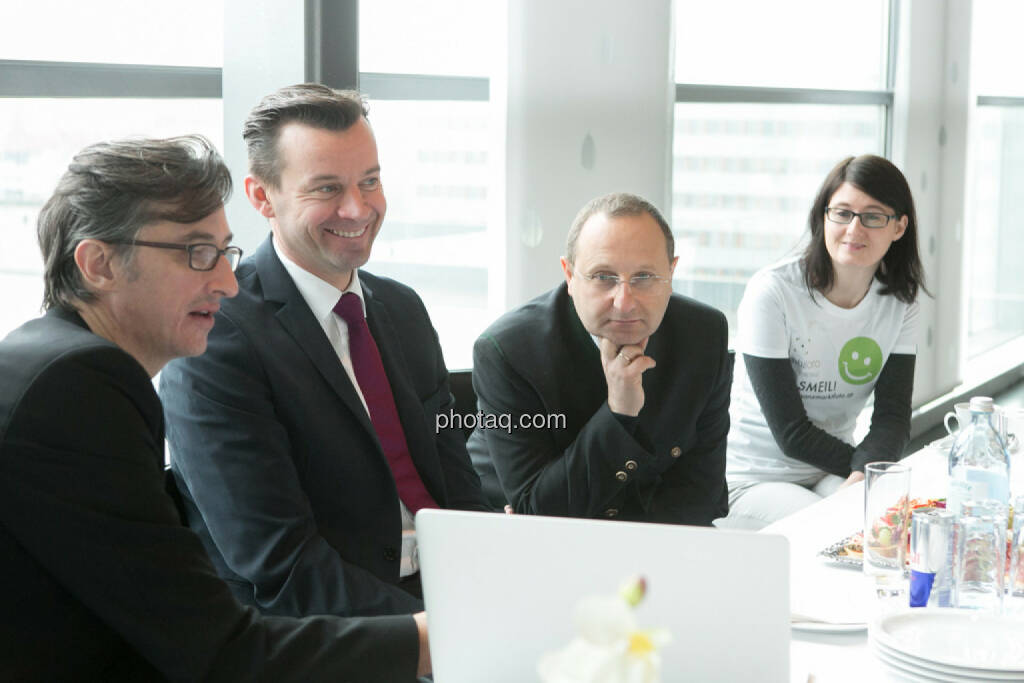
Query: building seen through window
[[434, 167], [747, 164], [744, 177], [38, 137], [744, 172], [993, 239], [435, 156]]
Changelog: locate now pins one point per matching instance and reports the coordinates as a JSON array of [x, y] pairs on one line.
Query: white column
[[930, 146], [589, 99], [264, 50]]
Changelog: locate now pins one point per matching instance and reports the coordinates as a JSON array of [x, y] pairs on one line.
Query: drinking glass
[[1000, 422], [886, 520], [979, 565]]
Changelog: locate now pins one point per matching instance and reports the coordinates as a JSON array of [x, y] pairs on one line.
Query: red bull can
[[931, 557]]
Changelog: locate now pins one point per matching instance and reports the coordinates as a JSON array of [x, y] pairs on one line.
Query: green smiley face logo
[[860, 361]]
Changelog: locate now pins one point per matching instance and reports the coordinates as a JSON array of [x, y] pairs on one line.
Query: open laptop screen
[[503, 590]]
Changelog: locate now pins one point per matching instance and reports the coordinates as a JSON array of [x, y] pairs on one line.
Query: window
[[791, 44], [187, 33], [743, 181], [41, 136], [993, 240], [434, 165], [761, 116], [439, 38], [430, 111], [40, 130]]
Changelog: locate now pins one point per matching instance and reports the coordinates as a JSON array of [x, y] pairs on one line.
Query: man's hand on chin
[[624, 367]]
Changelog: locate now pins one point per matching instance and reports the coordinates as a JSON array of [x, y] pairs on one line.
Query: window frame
[[44, 79], [738, 94]]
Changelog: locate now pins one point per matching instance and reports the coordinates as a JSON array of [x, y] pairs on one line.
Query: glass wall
[[994, 231], [182, 33], [764, 107], [435, 154], [743, 181], [39, 135], [751, 150]]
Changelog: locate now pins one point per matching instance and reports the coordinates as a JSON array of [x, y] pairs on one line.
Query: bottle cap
[[981, 404]]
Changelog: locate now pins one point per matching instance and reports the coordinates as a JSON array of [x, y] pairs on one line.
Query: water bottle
[[979, 464]]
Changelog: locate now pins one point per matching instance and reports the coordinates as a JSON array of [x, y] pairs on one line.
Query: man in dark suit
[[301, 456], [101, 579], [613, 390]]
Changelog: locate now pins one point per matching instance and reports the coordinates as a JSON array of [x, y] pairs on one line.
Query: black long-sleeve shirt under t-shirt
[[774, 384]]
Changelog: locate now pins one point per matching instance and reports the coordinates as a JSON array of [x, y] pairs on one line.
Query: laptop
[[501, 591]]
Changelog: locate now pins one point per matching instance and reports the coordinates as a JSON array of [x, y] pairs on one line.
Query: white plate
[[914, 673], [924, 667], [960, 638], [826, 627]]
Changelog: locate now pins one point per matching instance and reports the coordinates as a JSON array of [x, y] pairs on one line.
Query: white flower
[[609, 649]]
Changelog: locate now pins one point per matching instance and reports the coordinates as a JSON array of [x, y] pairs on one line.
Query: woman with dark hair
[[817, 335]]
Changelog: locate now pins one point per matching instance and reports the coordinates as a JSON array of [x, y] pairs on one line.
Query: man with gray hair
[[102, 579], [635, 381]]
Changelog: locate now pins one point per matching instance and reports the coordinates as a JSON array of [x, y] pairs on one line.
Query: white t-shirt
[[836, 353]]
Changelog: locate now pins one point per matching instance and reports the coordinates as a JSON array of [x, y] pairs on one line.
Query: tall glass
[[886, 521]]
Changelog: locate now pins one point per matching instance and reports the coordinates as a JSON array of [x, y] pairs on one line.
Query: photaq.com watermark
[[503, 421]]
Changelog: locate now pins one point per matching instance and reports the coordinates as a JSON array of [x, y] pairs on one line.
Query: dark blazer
[[281, 472], [101, 580], [668, 465]]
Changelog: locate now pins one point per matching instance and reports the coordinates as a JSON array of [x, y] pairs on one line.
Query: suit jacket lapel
[[559, 358], [383, 331], [579, 378], [658, 382], [407, 402], [296, 318]]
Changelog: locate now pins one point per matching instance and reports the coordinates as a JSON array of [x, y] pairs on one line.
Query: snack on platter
[[853, 546], [850, 550]]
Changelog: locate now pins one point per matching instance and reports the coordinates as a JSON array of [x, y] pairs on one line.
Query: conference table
[[831, 604]]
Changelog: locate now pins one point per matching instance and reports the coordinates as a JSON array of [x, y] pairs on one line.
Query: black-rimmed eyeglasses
[[201, 255], [868, 220]]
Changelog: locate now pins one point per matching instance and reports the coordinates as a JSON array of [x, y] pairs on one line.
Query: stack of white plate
[[949, 645]]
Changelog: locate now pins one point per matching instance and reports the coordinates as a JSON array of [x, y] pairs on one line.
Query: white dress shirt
[[322, 297]]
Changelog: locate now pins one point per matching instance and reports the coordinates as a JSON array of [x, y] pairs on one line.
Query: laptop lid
[[502, 590]]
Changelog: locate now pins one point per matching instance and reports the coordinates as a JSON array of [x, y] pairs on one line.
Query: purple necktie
[[381, 404]]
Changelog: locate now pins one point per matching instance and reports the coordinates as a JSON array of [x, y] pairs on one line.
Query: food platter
[[849, 550]]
